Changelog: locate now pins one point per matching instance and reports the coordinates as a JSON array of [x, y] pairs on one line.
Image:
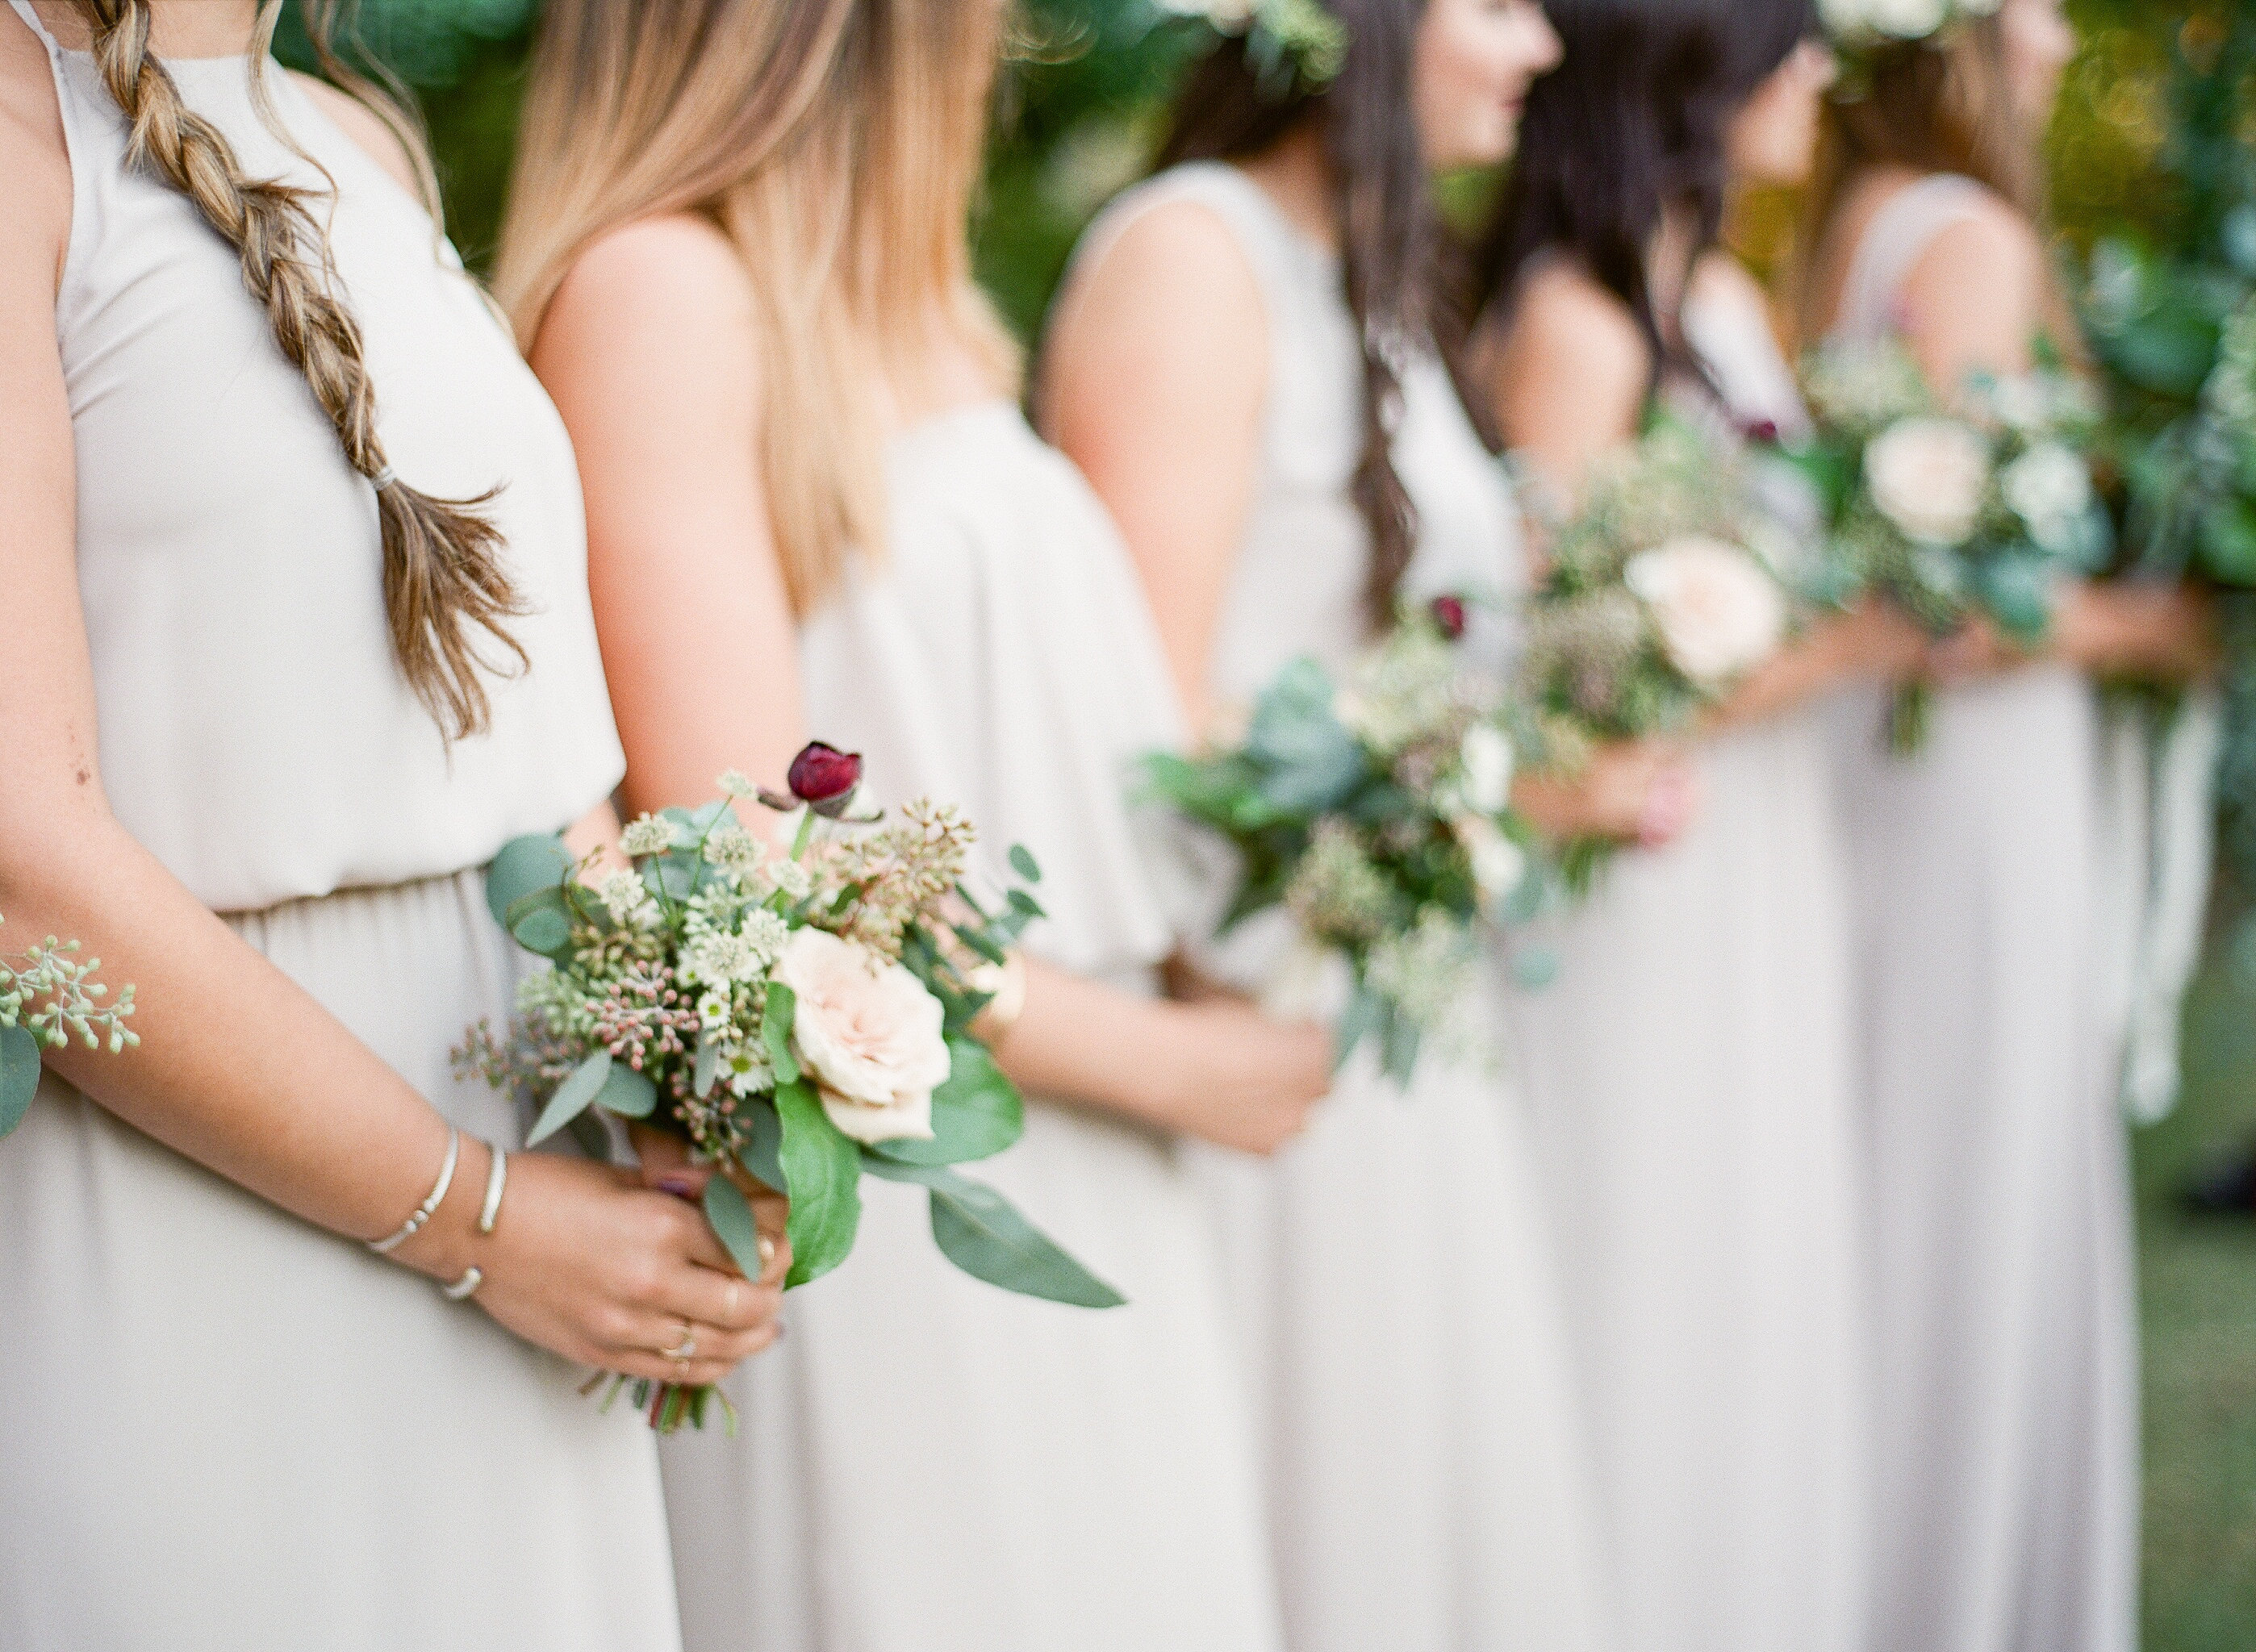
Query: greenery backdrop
[[1079, 113]]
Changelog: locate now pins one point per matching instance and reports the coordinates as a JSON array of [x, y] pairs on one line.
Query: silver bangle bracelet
[[463, 1288], [496, 1183], [390, 1243]]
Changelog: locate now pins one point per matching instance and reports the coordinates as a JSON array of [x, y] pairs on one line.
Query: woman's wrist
[[448, 1245]]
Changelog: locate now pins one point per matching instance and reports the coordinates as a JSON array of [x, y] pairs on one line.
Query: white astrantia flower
[[629, 902], [651, 834], [735, 784], [1486, 756], [2049, 488], [1928, 477], [734, 849], [792, 878]]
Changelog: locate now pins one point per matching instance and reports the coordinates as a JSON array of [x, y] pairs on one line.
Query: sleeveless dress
[[929, 1463], [1690, 1081], [231, 1429], [1391, 1280], [2006, 1445]]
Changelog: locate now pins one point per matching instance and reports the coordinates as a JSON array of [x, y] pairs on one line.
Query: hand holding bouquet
[[48, 997], [801, 1018], [1377, 812], [1661, 593], [1953, 517]]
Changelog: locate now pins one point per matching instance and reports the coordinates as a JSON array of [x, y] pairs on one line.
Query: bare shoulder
[[1178, 259], [365, 127], [663, 300], [1992, 239], [35, 181], [1566, 327], [1975, 300]]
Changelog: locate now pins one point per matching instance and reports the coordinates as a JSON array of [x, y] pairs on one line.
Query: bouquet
[[1661, 593], [1951, 516], [48, 997], [1377, 814], [801, 1017]]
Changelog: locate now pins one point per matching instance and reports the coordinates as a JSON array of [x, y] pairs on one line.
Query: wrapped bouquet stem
[[801, 1017]]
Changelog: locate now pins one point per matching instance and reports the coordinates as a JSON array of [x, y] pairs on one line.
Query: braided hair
[[443, 578]]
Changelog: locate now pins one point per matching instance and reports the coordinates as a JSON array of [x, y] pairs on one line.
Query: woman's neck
[[1296, 174], [177, 28]]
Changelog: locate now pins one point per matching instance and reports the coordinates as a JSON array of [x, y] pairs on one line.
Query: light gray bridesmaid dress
[[1689, 1078], [930, 1464], [2005, 1451], [227, 1428], [1390, 1271]]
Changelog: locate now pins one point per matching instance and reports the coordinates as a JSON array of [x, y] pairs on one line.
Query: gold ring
[[684, 1351]]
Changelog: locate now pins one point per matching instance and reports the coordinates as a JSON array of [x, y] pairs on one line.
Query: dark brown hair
[[1233, 108], [443, 578]]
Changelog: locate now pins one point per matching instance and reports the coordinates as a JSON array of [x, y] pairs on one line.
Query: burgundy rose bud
[[823, 778], [1763, 431], [1449, 614]]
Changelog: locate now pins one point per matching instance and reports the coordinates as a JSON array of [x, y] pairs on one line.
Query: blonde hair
[[837, 144], [443, 578]]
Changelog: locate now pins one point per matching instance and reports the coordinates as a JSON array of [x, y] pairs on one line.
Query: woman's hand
[[1641, 791], [1239, 1079], [588, 1263], [2133, 627], [668, 1168]]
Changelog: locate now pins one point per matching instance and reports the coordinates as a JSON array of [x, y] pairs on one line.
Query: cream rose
[[1718, 612], [867, 1035], [1499, 865], [1927, 476], [2049, 488]]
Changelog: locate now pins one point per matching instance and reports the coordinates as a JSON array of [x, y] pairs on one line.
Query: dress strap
[[1893, 243]]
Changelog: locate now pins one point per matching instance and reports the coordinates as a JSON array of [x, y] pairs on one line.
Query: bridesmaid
[[1690, 1073], [2006, 1452], [738, 253], [255, 760], [1243, 364]]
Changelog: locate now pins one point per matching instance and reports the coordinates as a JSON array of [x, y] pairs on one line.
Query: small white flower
[[734, 849], [735, 784], [2049, 488], [747, 1071], [1499, 865], [1718, 614], [792, 878], [1486, 756], [629, 902], [716, 1010], [650, 835], [1927, 476]]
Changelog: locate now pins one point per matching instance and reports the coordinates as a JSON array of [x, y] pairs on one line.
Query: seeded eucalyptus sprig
[[49, 997]]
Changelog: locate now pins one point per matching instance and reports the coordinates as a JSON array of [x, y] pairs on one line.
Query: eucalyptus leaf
[[707, 1071], [19, 1075], [1311, 762], [983, 1232], [762, 1152], [975, 1115], [776, 1020], [733, 1222], [572, 1097], [1024, 864], [627, 1094], [524, 866], [541, 923], [1366, 1011], [822, 1168]]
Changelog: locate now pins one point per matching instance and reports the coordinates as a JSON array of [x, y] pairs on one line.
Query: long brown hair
[[1943, 104], [1233, 108], [443, 578], [837, 144]]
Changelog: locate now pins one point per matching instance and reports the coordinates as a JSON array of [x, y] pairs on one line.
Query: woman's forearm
[[1081, 1041], [238, 1067]]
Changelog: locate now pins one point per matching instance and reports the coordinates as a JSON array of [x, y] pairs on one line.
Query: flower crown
[[1863, 24], [1289, 41]]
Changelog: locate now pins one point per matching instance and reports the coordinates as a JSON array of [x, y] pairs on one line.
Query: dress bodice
[[999, 656], [255, 733], [1298, 586]]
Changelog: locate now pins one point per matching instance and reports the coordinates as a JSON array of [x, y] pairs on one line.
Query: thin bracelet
[[463, 1288], [496, 1182], [385, 1246]]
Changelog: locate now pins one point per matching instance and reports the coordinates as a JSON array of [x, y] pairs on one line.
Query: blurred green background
[[1078, 115]]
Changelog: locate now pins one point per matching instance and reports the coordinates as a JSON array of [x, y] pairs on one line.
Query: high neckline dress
[[1688, 1078], [2005, 1451], [1390, 1277], [929, 1463], [230, 1429]]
